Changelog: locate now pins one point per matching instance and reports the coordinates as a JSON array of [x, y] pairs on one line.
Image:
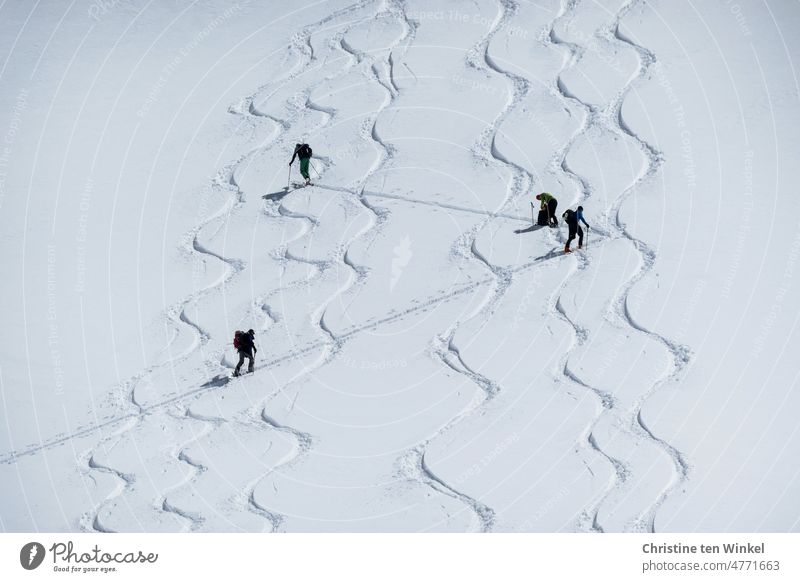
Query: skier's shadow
[[216, 381], [533, 228], [276, 196]]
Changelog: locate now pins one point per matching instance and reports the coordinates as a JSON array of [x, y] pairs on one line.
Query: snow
[[427, 361]]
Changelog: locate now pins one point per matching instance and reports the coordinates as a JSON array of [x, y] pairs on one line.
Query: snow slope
[[427, 360]]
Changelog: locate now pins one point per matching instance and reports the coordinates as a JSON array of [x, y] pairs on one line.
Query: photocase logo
[[402, 256], [31, 555]]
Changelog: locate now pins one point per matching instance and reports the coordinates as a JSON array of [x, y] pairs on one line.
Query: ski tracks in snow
[[177, 316], [589, 517], [355, 196], [444, 346], [679, 354], [610, 119]]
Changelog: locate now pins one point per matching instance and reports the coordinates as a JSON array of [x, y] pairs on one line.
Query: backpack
[[304, 151], [238, 339], [569, 215]]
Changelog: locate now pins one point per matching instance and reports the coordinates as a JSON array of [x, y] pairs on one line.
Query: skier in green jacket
[[548, 203], [303, 152]]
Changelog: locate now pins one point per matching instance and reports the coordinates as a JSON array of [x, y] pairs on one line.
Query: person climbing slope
[[246, 346], [572, 219], [548, 204], [303, 152]]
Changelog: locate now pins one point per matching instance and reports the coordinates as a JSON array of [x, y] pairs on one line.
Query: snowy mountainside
[[427, 359]]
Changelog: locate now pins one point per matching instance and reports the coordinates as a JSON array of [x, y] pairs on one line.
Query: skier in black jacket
[[247, 349], [303, 152], [572, 219]]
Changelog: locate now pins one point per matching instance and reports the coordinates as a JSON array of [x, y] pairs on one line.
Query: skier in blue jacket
[[572, 219]]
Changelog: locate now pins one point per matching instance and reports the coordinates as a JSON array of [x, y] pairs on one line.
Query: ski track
[[125, 481], [226, 180], [218, 381], [90, 520], [413, 466], [680, 354], [444, 347], [209, 425], [177, 315], [332, 344], [588, 518], [611, 119], [302, 104], [177, 318], [303, 444]]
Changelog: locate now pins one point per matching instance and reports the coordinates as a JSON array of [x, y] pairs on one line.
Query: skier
[[245, 345], [303, 152], [572, 219], [548, 204]]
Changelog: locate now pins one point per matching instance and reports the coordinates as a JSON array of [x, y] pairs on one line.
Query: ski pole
[[533, 220], [315, 169], [289, 177]]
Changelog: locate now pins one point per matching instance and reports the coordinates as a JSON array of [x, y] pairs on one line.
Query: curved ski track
[[680, 354], [225, 179], [303, 44], [332, 343], [176, 316], [443, 345], [588, 519], [610, 119]]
